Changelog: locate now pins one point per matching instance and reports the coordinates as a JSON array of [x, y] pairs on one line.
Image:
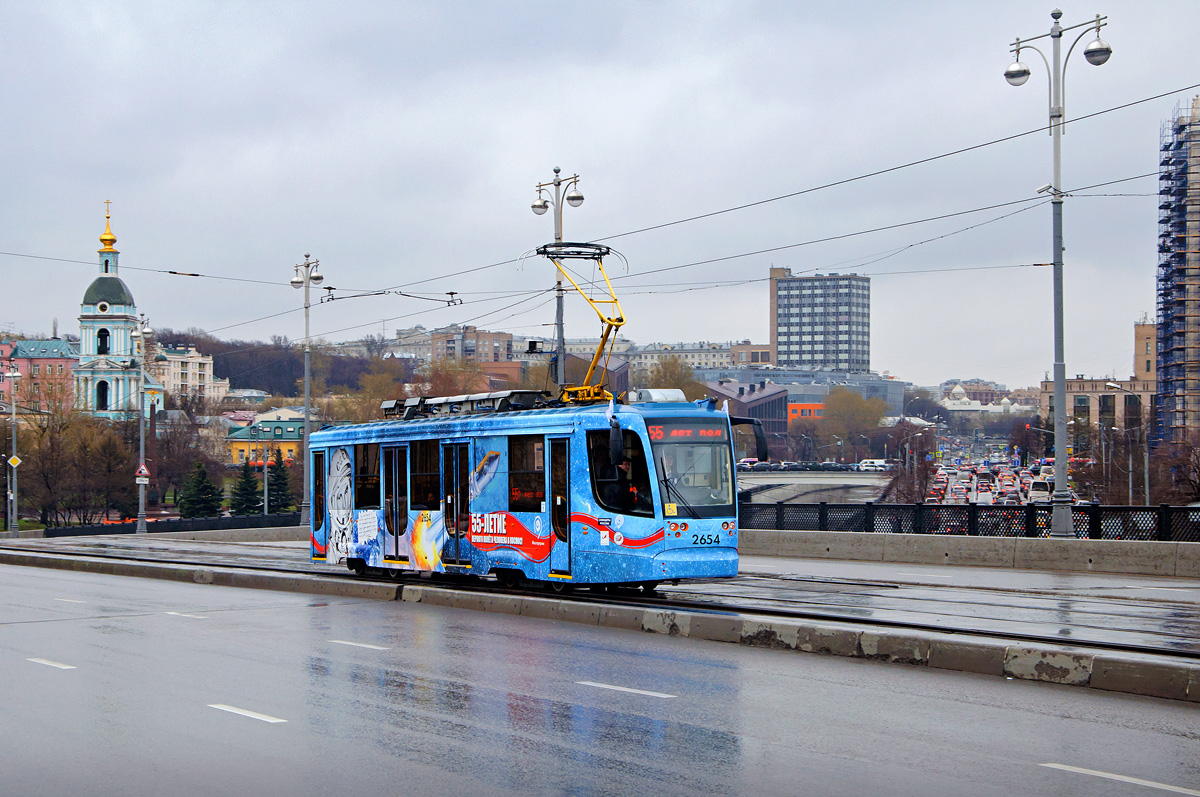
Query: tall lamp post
[[1145, 443], [541, 205], [141, 337], [306, 274], [14, 521], [1096, 52]]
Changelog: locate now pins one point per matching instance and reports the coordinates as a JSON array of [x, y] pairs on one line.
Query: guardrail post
[[779, 515], [1162, 523], [1095, 527], [919, 519], [1031, 529], [822, 516], [869, 516], [972, 519]]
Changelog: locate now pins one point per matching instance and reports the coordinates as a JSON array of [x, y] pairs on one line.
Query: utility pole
[[541, 205]]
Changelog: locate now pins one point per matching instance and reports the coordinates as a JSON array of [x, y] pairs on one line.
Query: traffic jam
[[992, 484]]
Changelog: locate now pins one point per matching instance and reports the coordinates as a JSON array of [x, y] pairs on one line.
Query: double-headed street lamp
[[1145, 442], [1096, 52], [14, 521], [306, 274], [540, 206], [141, 335]]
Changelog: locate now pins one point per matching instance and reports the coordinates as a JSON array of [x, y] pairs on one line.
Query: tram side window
[[318, 490], [615, 490], [526, 473], [426, 474], [366, 476]]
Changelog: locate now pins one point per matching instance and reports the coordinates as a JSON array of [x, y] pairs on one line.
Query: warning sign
[[141, 471]]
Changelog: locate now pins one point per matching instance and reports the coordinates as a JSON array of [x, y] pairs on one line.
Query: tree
[[450, 376], [245, 498], [851, 417], [674, 372], [279, 488], [201, 497]]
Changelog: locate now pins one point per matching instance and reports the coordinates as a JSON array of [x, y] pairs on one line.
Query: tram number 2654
[[706, 539]]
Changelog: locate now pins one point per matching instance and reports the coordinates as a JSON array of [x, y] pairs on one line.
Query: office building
[[821, 321]]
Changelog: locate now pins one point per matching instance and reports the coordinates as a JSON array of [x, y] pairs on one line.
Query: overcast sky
[[399, 143]]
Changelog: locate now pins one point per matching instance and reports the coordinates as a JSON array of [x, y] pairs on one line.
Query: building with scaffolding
[[1179, 274]]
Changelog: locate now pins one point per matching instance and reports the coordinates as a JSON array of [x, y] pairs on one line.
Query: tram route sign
[[14, 460]]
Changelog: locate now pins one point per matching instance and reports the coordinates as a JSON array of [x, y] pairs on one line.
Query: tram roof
[[498, 421]]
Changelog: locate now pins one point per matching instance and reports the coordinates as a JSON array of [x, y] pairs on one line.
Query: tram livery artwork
[[631, 494]]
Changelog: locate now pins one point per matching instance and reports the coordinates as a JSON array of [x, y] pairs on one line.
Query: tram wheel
[[510, 579], [395, 573], [648, 587], [561, 587], [358, 566]]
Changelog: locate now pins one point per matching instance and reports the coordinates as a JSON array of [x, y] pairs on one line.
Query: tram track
[[808, 608]]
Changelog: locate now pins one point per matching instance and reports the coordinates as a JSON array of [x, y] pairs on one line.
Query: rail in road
[[1167, 627]]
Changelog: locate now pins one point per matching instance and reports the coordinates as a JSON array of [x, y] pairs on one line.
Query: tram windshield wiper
[[671, 489]]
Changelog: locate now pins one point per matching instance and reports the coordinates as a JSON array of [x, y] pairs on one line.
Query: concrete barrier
[[1131, 557]]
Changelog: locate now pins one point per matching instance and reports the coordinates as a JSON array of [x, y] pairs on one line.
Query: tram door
[[560, 505], [395, 500], [456, 481]]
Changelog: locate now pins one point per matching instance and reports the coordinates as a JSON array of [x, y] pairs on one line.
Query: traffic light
[[1027, 427]]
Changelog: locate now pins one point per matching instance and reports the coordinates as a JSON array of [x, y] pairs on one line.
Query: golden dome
[[108, 239]]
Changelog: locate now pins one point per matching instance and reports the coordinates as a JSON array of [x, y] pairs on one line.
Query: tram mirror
[[616, 443]]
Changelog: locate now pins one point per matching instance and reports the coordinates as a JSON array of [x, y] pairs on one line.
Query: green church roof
[[108, 289]]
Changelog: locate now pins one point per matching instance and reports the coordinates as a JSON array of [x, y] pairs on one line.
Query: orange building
[[806, 411]]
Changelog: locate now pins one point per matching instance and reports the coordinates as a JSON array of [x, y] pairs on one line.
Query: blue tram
[[617, 494]]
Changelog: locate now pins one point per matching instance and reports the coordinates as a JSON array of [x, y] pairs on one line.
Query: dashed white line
[[1123, 779], [49, 663], [1165, 589], [181, 614], [357, 644], [69, 600], [624, 689], [245, 712]]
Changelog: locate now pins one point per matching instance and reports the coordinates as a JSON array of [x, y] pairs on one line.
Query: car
[[1040, 491], [760, 466], [984, 498]]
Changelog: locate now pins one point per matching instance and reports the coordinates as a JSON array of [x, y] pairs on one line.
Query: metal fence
[[181, 524], [1091, 521]]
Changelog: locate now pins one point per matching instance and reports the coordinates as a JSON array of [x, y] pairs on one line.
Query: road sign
[[141, 471], [14, 460], [142, 479]]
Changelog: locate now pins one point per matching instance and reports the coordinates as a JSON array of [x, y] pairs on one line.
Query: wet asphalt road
[[473, 703]]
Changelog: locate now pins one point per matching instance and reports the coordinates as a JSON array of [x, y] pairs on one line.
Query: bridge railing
[[1091, 521]]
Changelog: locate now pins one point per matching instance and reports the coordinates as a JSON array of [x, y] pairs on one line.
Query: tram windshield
[[693, 462]]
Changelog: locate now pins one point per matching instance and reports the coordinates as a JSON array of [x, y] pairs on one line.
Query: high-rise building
[[823, 321], [1179, 274]]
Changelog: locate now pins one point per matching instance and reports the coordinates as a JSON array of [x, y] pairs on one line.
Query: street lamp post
[[541, 205], [1145, 445], [141, 335], [306, 274], [1096, 52], [14, 520]]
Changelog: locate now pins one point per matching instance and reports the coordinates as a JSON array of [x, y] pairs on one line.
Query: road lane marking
[[181, 614], [623, 689], [1166, 589], [357, 644], [245, 713], [1123, 779], [69, 600], [49, 663]]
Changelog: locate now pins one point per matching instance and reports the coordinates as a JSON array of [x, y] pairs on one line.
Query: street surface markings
[[69, 600], [181, 614], [1123, 779], [1166, 589], [49, 663], [357, 644], [254, 715], [623, 689]]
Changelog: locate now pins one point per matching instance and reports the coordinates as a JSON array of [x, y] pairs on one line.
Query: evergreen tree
[[279, 488], [246, 498], [201, 498]]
